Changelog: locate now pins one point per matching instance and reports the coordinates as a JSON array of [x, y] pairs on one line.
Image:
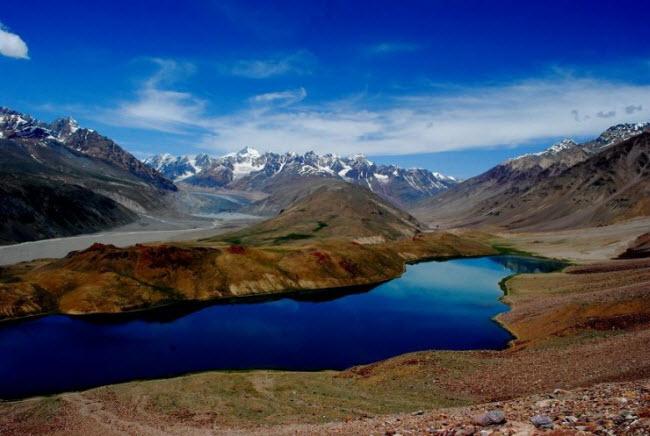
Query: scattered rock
[[481, 420], [561, 393], [496, 416], [467, 431], [543, 404], [542, 421], [493, 417]]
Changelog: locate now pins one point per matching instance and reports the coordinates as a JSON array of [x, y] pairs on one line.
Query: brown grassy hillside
[[332, 209]]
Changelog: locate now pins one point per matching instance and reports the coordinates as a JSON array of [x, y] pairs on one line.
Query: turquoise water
[[434, 305]]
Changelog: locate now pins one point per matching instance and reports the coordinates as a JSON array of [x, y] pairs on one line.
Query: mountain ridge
[[60, 180], [249, 169], [480, 200]]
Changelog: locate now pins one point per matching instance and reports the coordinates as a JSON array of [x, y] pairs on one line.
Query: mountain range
[[567, 185], [250, 170], [59, 179]]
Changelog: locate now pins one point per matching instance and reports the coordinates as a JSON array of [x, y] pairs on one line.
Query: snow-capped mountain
[[567, 152], [560, 155], [616, 134], [251, 170], [66, 132], [58, 179], [491, 196]]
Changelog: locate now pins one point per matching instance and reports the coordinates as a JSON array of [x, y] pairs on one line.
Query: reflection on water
[[528, 265], [434, 305]]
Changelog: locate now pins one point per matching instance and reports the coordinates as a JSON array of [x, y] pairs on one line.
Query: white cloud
[[283, 98], [157, 108], [296, 63], [451, 119], [479, 117], [12, 45]]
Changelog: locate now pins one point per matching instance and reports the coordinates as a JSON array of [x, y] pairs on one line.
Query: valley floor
[[588, 244], [584, 331], [144, 230]]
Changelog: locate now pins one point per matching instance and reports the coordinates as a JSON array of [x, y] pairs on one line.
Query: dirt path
[[108, 423]]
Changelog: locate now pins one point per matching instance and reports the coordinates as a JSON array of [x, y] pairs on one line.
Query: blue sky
[[454, 86]]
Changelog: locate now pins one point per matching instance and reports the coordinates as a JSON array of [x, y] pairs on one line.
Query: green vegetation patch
[[321, 225], [508, 249], [291, 237], [235, 240]]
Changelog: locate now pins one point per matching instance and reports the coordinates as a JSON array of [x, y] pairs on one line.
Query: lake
[[445, 305]]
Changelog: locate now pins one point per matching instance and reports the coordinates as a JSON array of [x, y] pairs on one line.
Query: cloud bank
[[12, 45], [457, 118]]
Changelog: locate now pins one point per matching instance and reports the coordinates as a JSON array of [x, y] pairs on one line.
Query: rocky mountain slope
[[496, 196], [610, 186], [249, 169], [60, 179]]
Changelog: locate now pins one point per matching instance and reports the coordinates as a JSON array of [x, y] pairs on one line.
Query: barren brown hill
[[610, 186], [108, 279], [60, 180], [466, 203], [331, 208]]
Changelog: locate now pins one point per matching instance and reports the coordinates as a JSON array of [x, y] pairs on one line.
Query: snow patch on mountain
[[249, 169]]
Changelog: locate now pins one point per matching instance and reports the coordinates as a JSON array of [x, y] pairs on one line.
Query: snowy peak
[[65, 132], [558, 147], [567, 152], [63, 128], [17, 125], [248, 153], [250, 169], [611, 136], [616, 134]]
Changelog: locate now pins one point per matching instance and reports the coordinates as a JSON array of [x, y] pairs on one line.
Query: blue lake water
[[434, 305]]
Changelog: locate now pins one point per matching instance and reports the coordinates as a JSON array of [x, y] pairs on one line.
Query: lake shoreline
[[424, 308], [321, 265]]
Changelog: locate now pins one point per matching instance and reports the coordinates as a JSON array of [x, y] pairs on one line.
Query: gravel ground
[[605, 409]]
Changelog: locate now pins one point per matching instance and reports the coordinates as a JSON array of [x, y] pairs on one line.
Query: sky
[[453, 86]]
